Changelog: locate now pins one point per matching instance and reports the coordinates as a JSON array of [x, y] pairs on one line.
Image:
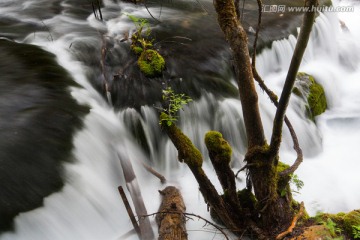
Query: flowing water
[[89, 206]]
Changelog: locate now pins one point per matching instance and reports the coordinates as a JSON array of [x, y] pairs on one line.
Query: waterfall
[[89, 206]]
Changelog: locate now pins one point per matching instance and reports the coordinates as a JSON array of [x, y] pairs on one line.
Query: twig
[[147, 9], [202, 6], [242, 11], [243, 168], [257, 32], [47, 28], [193, 215], [129, 211], [99, 8], [293, 223], [297, 148], [94, 10], [174, 37], [103, 69], [153, 172]]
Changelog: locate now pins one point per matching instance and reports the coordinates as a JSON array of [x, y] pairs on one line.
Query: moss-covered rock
[[215, 143], [316, 99], [346, 223], [350, 221], [312, 92], [151, 63]]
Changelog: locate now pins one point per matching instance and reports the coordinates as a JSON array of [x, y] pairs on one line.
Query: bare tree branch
[[129, 211], [303, 38], [273, 97], [154, 172], [257, 32]]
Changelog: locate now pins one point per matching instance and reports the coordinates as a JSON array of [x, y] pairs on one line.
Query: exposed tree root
[[293, 223]]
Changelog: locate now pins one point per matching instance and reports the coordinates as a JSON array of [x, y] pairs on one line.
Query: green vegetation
[[215, 143], [332, 227], [247, 199], [315, 94], [283, 182], [342, 223], [316, 98], [352, 223], [297, 182], [150, 61], [174, 102], [188, 153], [356, 231]]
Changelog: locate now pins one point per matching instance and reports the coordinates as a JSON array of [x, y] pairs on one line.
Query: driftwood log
[[170, 217]]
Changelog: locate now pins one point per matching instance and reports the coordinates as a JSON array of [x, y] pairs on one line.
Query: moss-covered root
[[151, 63], [220, 156], [189, 154]]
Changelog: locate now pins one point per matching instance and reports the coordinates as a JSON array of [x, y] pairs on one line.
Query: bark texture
[[275, 211], [237, 38], [170, 218], [189, 154]]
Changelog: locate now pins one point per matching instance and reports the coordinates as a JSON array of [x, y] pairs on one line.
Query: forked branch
[[302, 41]]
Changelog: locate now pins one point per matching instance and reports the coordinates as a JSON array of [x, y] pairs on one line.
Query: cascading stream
[[89, 206]]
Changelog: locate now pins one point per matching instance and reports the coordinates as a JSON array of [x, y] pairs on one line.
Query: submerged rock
[[151, 63], [312, 92]]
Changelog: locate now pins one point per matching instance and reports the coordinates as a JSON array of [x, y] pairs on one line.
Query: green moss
[[344, 221], [297, 92], [215, 143], [283, 181], [187, 152], [350, 220], [137, 50], [316, 98], [282, 166], [151, 63], [312, 92], [247, 199]]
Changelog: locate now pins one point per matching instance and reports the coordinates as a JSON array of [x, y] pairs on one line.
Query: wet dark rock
[[38, 118]]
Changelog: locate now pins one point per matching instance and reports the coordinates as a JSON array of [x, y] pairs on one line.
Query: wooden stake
[[129, 211]]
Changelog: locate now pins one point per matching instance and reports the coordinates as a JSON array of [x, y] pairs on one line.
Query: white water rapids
[[89, 206]]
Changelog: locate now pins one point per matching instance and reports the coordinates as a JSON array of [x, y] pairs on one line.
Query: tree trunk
[[274, 210], [170, 218]]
